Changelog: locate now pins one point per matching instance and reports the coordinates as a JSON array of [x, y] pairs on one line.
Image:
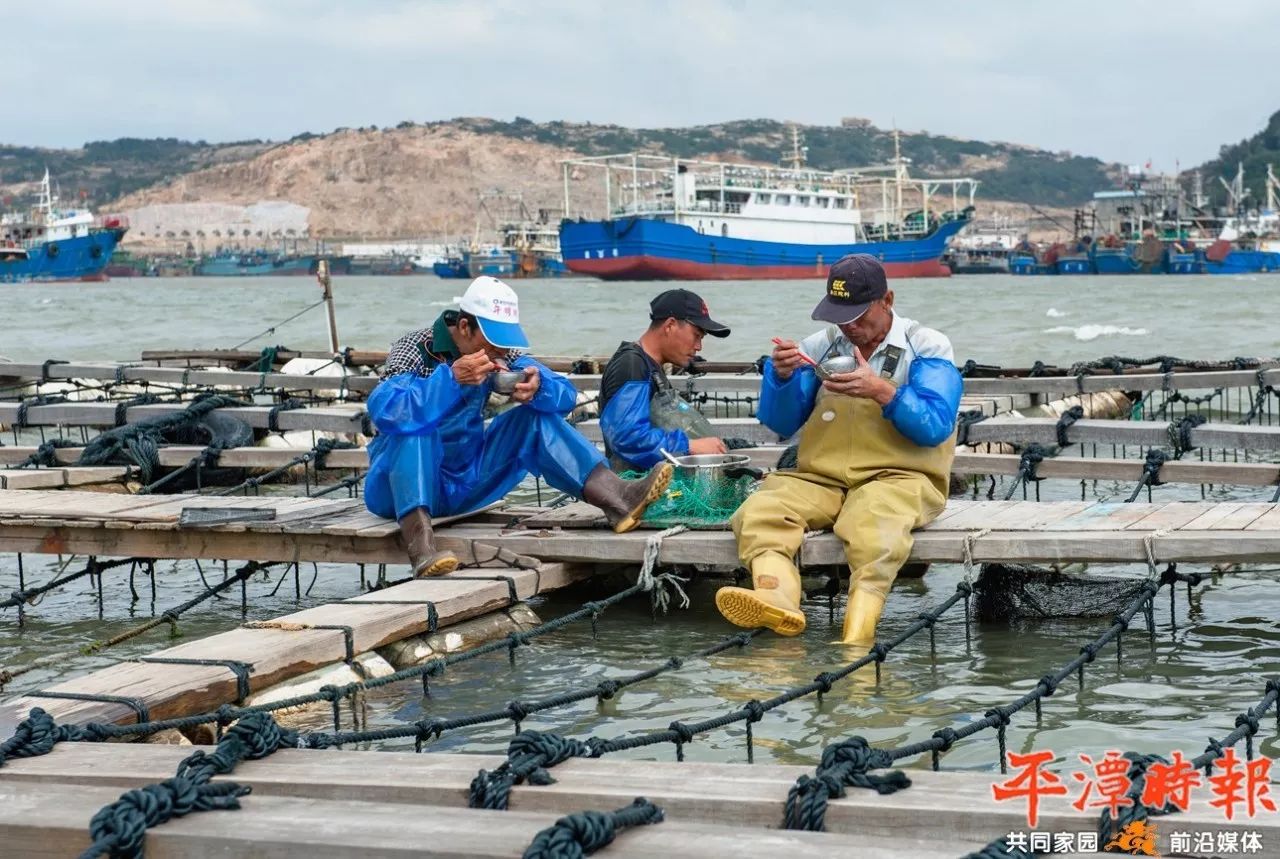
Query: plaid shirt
[[413, 353]]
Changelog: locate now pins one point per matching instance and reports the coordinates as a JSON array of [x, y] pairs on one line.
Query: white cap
[[497, 310]]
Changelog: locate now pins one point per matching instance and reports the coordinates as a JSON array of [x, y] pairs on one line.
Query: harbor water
[[1209, 660]]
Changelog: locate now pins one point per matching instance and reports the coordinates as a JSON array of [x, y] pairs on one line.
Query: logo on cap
[[837, 289]]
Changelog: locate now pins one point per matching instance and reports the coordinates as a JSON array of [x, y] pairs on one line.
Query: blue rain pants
[[434, 451]]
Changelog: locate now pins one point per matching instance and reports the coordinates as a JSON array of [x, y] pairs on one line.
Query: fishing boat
[[983, 248], [685, 219], [50, 243], [261, 263]]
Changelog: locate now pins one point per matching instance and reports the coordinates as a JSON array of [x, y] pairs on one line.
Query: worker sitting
[[641, 415], [875, 452], [433, 454]]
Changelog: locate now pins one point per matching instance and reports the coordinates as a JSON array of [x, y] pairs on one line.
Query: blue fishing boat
[[263, 264], [697, 220], [50, 243]]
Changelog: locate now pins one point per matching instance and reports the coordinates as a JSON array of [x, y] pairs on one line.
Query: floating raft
[[303, 804], [308, 529]]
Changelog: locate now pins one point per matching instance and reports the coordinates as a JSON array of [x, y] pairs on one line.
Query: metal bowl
[[836, 365], [505, 381]]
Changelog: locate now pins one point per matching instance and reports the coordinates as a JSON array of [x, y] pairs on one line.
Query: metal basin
[[712, 473], [505, 381], [836, 365]]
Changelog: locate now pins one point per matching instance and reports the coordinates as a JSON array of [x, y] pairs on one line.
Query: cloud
[[1095, 78]]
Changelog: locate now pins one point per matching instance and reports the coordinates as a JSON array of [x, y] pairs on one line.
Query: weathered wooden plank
[[1149, 433], [1242, 516], [184, 377], [976, 516], [957, 805], [52, 820], [1267, 521], [1170, 516], [1103, 517], [278, 654], [33, 478]]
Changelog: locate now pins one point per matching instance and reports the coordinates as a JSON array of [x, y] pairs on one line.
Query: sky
[[1125, 80]]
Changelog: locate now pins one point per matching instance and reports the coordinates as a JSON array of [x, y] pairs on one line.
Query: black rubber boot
[[415, 531], [624, 501]]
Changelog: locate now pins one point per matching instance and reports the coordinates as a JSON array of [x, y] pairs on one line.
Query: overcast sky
[[1124, 80]]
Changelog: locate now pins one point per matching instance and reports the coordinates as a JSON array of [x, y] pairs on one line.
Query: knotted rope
[[657, 586], [118, 829], [844, 764], [529, 755], [578, 835]]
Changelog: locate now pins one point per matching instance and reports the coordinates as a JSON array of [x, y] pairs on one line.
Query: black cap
[[686, 305], [854, 283]]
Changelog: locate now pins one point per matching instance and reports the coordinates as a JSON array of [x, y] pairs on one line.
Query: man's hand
[[526, 390], [786, 358], [472, 369], [862, 382], [707, 445]]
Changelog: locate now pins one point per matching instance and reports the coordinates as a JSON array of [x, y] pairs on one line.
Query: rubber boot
[[624, 501], [415, 530], [773, 603], [861, 616]]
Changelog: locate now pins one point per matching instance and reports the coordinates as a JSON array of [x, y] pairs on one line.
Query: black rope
[[241, 670], [1032, 456], [584, 833], [964, 420], [118, 829], [1156, 458], [1180, 434], [45, 455], [529, 754], [1069, 417], [273, 416], [137, 705], [844, 764]]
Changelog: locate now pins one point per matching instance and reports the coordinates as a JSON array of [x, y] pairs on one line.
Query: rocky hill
[[1255, 153], [426, 180]]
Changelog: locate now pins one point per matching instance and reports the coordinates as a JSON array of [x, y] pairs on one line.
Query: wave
[[1093, 332], [1054, 313], [452, 302]]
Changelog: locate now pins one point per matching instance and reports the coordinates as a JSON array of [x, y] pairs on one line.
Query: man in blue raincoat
[[433, 454], [641, 415], [875, 453]]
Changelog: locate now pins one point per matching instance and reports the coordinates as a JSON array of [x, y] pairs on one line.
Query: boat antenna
[[326, 286], [796, 160]]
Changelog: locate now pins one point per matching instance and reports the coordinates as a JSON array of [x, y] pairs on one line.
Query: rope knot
[[1049, 684], [1001, 716], [948, 737], [754, 709], [965, 588], [429, 729], [879, 651], [517, 711], [681, 730], [1090, 652], [606, 689], [1215, 747], [578, 835], [824, 681], [1249, 722], [675, 662]]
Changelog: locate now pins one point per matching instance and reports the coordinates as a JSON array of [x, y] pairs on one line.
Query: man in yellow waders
[[874, 458]]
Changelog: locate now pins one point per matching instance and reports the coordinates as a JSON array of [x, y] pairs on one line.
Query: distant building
[[854, 122]]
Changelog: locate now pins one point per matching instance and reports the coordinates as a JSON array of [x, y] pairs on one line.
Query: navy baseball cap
[[854, 283], [686, 305]]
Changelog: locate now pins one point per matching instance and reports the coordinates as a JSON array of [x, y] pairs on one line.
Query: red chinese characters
[[1031, 782]]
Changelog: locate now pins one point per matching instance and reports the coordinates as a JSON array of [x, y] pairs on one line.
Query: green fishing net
[[693, 503]]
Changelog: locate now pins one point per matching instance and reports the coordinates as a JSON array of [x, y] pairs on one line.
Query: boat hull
[[650, 249], [81, 258], [290, 266], [1240, 261]]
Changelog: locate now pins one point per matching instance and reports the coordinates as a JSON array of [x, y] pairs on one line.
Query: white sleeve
[[816, 345], [929, 343]]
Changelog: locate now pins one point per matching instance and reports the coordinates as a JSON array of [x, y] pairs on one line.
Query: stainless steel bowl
[[505, 381], [836, 365], [710, 472]]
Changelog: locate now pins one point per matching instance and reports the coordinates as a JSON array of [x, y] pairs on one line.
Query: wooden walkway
[[305, 529], [400, 804]]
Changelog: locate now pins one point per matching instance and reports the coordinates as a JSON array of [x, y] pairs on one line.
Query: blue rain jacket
[[631, 435], [923, 410], [433, 450]]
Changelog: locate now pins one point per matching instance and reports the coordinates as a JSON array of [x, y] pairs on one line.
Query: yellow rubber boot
[[774, 603], [861, 616]]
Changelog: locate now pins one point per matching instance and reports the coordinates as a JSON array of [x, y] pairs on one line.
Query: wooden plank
[[51, 820], [958, 805], [1173, 515], [1103, 517], [976, 516], [33, 478], [1269, 521], [1242, 517], [281, 654], [1033, 517]]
